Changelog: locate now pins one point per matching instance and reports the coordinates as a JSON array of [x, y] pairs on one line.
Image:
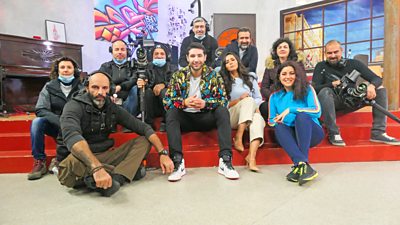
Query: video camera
[[140, 64], [353, 95]]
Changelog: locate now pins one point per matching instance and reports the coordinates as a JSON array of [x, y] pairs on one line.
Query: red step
[[201, 148]]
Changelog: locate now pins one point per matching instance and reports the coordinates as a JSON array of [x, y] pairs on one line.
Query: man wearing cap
[[158, 73]]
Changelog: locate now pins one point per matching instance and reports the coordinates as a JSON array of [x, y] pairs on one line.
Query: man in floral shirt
[[196, 101]]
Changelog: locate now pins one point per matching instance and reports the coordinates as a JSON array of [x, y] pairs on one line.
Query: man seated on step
[[331, 101], [124, 77], [159, 73], [196, 101], [86, 123]]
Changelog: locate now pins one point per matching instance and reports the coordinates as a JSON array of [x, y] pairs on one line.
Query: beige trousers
[[124, 160], [245, 112]]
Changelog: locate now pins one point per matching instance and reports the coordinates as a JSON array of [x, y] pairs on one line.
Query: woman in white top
[[244, 99]]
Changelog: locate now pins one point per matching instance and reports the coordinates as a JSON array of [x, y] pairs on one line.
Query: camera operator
[[123, 76], [158, 74], [331, 102]]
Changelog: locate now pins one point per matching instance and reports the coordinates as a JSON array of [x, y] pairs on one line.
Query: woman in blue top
[[294, 110], [244, 100]]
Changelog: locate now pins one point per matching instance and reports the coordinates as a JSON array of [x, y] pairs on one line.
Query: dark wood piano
[[25, 65]]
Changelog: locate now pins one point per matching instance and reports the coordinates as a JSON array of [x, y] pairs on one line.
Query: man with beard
[[199, 34], [196, 101], [331, 102], [244, 49], [86, 123]]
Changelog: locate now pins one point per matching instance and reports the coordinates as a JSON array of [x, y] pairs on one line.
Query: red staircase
[[201, 148]]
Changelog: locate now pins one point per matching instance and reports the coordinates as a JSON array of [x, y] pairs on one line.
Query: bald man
[[86, 124]]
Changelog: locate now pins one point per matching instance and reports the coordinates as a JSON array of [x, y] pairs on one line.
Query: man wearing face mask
[[244, 49], [64, 82], [87, 121], [199, 33], [159, 72], [123, 76]]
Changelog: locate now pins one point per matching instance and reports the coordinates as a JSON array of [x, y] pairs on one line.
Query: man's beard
[[99, 103], [244, 47], [196, 70], [333, 62]]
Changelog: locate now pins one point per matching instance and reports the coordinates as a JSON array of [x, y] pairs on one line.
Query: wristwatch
[[163, 152]]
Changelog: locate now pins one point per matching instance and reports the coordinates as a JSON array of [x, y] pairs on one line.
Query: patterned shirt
[[212, 89]]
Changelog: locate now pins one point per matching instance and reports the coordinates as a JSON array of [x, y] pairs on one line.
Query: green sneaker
[[293, 176], [306, 173]]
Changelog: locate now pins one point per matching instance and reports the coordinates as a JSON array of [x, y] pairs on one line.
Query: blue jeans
[[131, 102], [41, 126], [298, 140]]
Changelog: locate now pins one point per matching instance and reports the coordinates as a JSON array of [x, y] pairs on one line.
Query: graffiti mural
[[117, 19]]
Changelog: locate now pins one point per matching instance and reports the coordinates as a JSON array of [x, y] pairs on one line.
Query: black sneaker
[[306, 173], [336, 139], [91, 184], [293, 176], [384, 138], [140, 173]]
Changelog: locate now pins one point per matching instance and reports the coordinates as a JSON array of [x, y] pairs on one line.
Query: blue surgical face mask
[[66, 79], [159, 62], [119, 62], [200, 37]]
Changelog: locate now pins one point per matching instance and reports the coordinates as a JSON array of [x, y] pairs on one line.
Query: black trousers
[[154, 105], [179, 120]]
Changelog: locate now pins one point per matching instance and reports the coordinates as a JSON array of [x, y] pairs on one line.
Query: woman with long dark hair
[[282, 51], [244, 99], [294, 110]]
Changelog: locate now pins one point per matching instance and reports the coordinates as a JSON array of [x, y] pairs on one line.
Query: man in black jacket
[[159, 72], [123, 77], [199, 33], [244, 49], [331, 101], [86, 124]]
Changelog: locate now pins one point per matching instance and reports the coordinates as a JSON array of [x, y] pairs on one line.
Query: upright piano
[[25, 65]]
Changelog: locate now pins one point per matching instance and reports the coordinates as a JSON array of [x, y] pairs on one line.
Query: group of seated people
[[81, 116]]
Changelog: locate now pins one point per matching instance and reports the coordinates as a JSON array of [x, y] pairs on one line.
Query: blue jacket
[[281, 100]]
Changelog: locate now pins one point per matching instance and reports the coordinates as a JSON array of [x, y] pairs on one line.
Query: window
[[357, 24]]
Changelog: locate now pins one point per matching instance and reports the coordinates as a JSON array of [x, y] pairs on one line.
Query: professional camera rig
[[140, 65], [355, 96]]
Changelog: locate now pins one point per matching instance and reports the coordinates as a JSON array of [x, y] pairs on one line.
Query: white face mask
[[66, 79], [201, 37]]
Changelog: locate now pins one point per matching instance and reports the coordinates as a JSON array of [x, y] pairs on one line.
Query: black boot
[[91, 184]]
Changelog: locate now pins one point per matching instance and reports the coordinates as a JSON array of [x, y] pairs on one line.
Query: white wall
[[26, 18], [267, 19]]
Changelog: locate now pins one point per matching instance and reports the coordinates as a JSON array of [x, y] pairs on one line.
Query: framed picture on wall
[[55, 31]]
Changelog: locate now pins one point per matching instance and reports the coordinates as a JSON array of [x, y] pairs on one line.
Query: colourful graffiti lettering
[[130, 17]]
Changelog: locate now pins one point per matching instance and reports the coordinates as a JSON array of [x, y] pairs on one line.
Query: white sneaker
[[178, 172], [225, 168]]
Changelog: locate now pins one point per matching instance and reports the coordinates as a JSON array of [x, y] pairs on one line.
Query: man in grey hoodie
[[86, 123]]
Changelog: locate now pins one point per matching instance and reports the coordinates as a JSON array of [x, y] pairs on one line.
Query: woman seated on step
[[294, 110], [244, 99], [64, 82]]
